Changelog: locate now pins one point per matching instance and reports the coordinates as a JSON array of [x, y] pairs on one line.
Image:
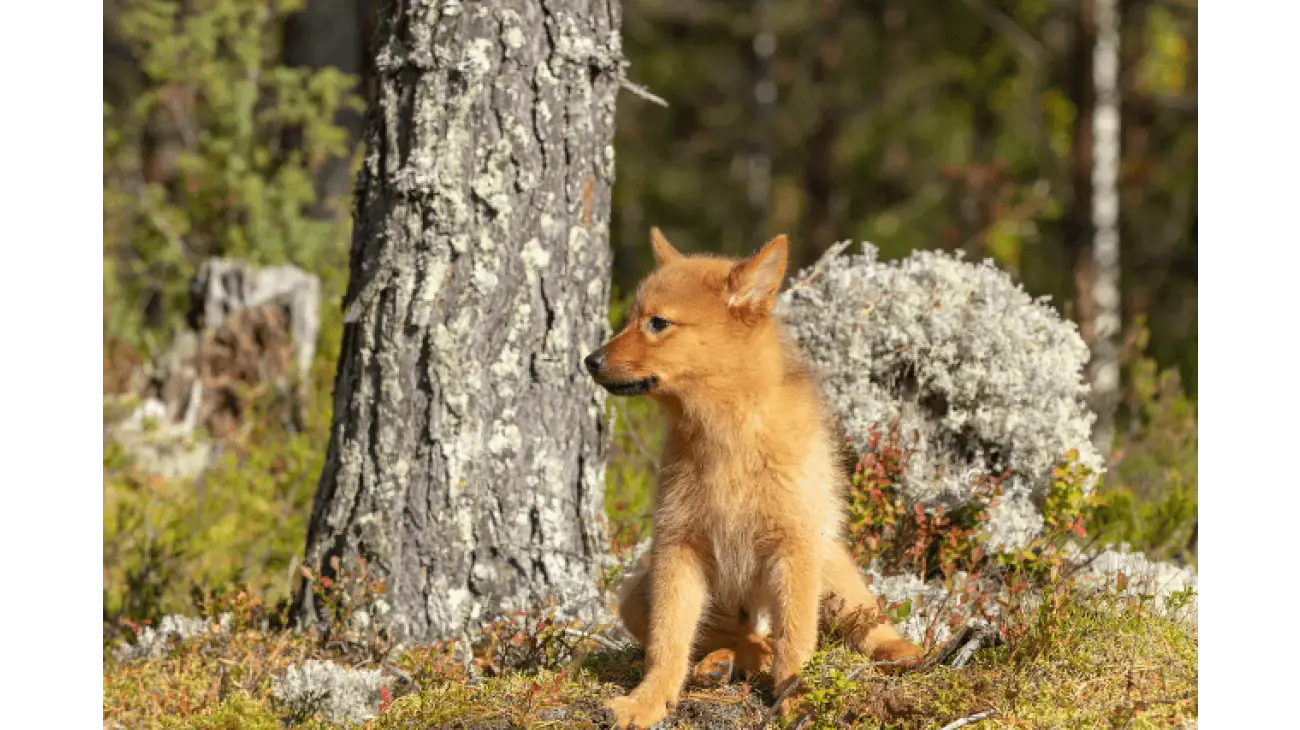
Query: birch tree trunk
[[1106, 325], [466, 461], [759, 177]]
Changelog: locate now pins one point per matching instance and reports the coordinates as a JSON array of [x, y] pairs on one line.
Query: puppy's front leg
[[795, 581], [677, 594]]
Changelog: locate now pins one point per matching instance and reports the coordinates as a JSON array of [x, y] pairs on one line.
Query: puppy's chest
[[704, 500], [740, 518]]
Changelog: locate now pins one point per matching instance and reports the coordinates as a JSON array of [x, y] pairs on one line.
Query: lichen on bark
[[466, 462]]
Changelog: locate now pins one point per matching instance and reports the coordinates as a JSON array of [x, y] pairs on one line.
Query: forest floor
[[1089, 663]]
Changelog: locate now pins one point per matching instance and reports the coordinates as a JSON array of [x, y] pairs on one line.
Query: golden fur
[[747, 558]]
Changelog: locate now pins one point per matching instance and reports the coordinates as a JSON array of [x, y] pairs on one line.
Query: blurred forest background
[[231, 127]]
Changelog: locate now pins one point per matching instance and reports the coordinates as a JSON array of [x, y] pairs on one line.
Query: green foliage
[[243, 523], [236, 712], [913, 126], [1151, 492], [215, 156], [825, 700]]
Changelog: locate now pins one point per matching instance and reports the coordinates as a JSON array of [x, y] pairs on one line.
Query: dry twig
[[969, 719]]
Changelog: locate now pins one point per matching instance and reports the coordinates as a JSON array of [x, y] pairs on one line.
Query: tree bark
[[466, 462], [1106, 325]]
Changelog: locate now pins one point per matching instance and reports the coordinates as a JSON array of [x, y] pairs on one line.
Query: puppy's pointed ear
[[664, 251], [753, 283]]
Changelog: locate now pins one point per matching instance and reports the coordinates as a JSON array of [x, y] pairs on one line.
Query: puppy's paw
[[714, 670], [902, 652], [753, 656], [633, 712]]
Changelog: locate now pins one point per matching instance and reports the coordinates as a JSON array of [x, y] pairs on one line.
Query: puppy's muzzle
[[595, 363]]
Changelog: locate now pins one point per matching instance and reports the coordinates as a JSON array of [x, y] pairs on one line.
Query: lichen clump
[[337, 694], [981, 378], [151, 643]]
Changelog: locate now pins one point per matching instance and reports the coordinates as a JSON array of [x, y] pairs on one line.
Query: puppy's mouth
[[633, 387]]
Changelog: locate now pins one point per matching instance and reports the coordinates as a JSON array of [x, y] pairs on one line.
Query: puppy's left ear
[[753, 283]]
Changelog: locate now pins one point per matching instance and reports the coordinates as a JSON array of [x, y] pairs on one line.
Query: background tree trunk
[[759, 174], [466, 462], [1078, 223], [99, 355], [331, 33], [821, 173], [1106, 325]]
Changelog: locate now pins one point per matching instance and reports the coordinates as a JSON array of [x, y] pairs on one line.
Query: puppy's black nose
[[594, 361]]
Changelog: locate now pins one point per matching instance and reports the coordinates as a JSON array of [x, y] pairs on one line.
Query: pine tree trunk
[[1104, 366], [466, 462]]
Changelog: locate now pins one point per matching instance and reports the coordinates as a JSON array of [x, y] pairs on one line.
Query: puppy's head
[[694, 323]]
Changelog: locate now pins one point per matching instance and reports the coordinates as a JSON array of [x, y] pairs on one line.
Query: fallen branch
[[959, 649], [969, 719], [608, 644], [908, 661]]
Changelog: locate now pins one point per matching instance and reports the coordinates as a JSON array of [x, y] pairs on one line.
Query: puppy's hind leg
[[849, 609], [634, 601]]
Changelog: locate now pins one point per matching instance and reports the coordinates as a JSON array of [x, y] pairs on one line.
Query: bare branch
[[642, 92], [905, 662], [958, 650], [1006, 26], [832, 251], [608, 644], [969, 719], [636, 437]]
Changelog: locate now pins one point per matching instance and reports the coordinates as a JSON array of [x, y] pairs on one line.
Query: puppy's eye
[[657, 324]]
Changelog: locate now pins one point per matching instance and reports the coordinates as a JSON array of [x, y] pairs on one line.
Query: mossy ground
[[1091, 663]]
